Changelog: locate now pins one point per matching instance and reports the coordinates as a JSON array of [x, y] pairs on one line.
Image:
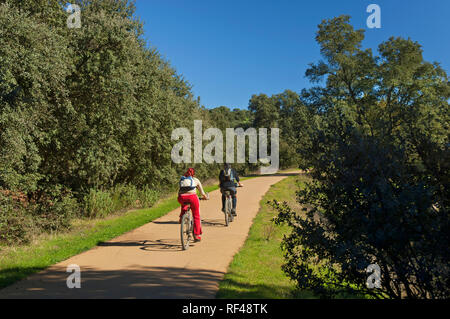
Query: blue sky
[[229, 50]]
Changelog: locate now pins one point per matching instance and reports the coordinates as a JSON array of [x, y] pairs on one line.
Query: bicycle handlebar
[[207, 197]]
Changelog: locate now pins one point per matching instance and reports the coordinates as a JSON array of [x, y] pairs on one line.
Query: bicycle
[[229, 217], [187, 227], [228, 205]]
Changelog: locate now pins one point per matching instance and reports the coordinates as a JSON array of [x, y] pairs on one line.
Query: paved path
[[148, 262]]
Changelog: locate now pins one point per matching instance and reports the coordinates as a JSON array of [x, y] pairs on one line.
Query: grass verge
[[255, 271]]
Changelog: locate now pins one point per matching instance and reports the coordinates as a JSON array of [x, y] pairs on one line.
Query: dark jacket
[[224, 183]]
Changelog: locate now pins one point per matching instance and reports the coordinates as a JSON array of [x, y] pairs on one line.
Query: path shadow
[[162, 245], [213, 222], [136, 282], [149, 245], [120, 244], [168, 222], [275, 174]]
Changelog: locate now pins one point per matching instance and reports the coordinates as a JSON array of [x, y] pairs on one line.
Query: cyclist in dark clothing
[[229, 179]]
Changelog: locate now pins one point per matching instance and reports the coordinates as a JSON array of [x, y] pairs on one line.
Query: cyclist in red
[[188, 195]]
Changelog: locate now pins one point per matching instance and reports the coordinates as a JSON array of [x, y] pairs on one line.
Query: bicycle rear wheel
[[186, 230], [228, 215]]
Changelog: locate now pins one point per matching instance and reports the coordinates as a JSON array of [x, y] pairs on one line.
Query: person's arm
[[237, 178], [200, 188], [221, 176]]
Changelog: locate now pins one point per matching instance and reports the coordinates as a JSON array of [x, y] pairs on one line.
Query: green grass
[[255, 271], [21, 261]]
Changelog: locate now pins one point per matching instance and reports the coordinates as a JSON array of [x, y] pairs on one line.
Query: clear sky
[[231, 49]]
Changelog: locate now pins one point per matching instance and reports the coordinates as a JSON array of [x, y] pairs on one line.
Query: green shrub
[[148, 197], [98, 203], [14, 227], [14, 222], [55, 214], [20, 219], [125, 196]]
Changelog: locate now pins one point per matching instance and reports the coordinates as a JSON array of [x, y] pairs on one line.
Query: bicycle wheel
[[186, 230], [231, 214], [191, 223], [228, 210]]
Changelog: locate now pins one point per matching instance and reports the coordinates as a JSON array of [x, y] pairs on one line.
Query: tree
[[84, 109], [294, 122], [265, 111], [379, 154], [33, 69]]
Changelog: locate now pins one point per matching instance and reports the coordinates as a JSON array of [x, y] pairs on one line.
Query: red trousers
[[192, 199]]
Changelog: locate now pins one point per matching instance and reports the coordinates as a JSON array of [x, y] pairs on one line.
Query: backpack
[[187, 183], [228, 175]]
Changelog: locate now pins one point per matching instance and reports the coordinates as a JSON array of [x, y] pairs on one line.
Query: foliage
[[13, 221], [88, 110], [21, 219], [33, 69], [100, 203], [287, 112], [379, 153]]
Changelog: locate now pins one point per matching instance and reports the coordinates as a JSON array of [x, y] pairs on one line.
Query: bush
[[14, 221], [55, 214], [20, 219], [148, 197], [368, 209], [100, 203], [124, 196]]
